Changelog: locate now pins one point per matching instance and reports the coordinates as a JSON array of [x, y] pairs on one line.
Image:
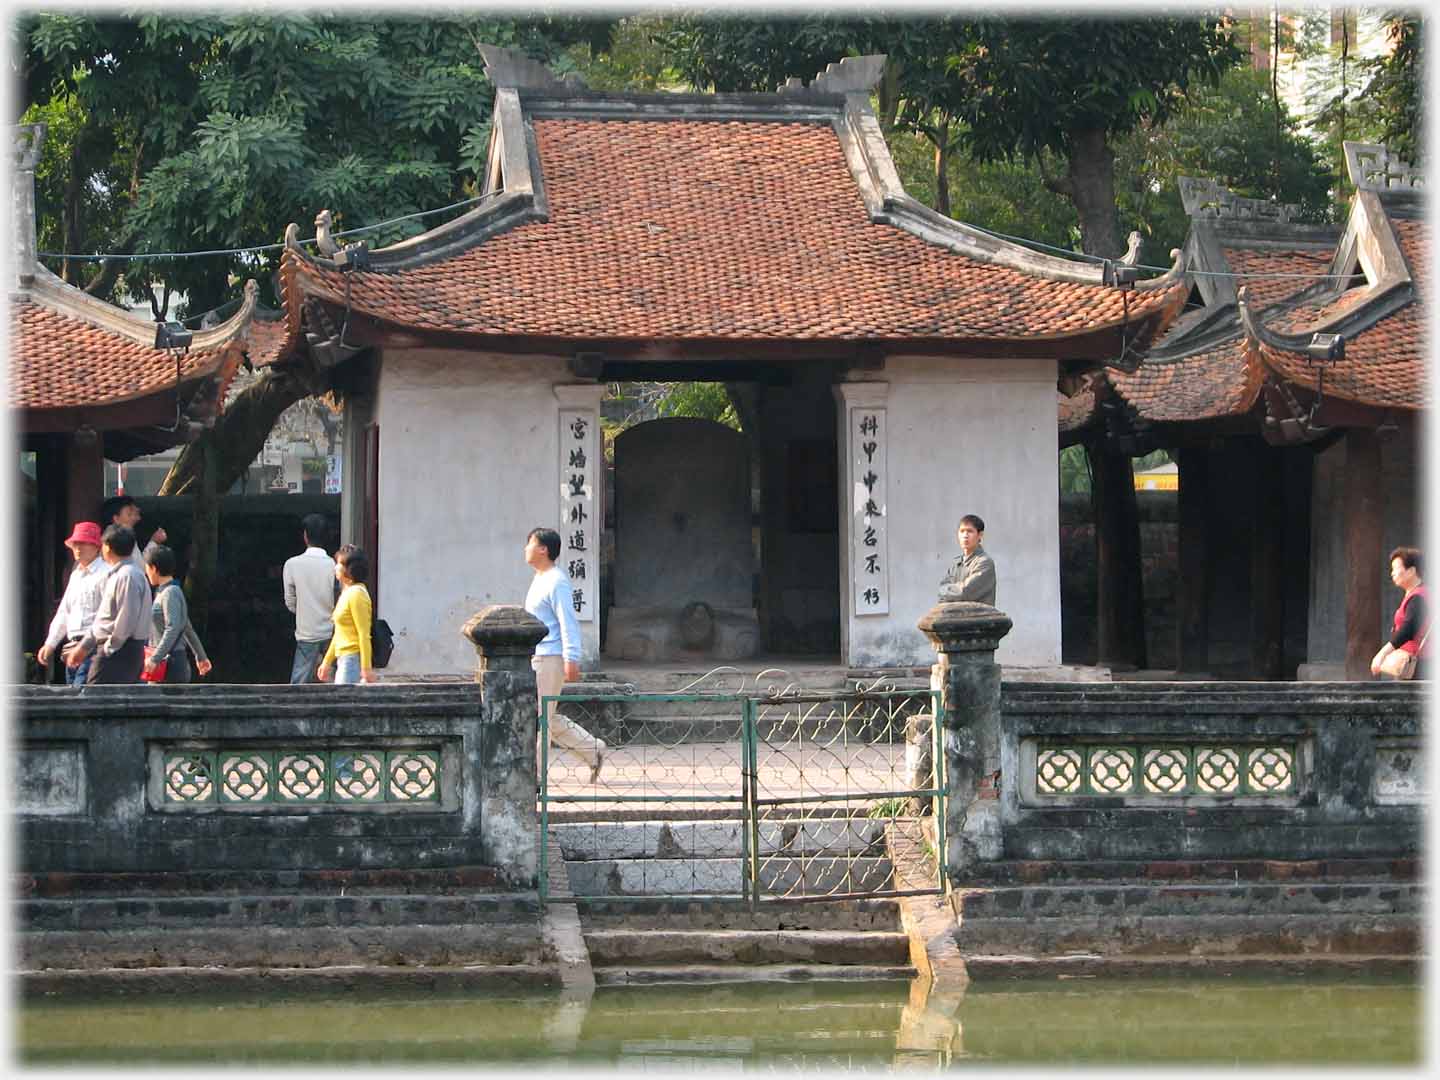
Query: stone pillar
[[1267, 567], [1192, 585], [1120, 590], [1364, 551], [505, 637], [964, 636]]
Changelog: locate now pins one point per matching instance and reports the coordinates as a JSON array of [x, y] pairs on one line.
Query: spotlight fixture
[[1326, 347], [1120, 276], [172, 335], [352, 257]]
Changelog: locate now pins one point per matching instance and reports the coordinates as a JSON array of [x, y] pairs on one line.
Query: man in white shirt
[[310, 593], [116, 638], [81, 600], [557, 657]]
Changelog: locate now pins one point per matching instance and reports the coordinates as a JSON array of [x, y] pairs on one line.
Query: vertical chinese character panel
[[579, 505], [869, 561]]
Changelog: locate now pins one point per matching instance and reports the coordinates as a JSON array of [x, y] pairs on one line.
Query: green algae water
[[1241, 1021]]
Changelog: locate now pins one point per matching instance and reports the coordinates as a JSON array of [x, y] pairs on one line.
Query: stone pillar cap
[[504, 628], [963, 626]]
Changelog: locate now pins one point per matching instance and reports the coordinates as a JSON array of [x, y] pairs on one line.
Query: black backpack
[[382, 643]]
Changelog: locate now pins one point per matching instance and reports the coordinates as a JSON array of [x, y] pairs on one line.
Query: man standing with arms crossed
[[557, 657], [80, 602], [972, 575], [122, 623], [310, 593]]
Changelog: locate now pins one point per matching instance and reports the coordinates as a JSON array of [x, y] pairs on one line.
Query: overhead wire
[[265, 247], [1077, 256]]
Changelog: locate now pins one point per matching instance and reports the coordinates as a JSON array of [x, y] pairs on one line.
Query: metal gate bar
[[635, 722]]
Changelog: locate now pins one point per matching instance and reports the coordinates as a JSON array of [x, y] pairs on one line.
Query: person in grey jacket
[[972, 575], [169, 620], [117, 636]]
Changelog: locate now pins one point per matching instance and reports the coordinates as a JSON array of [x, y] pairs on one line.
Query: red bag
[[158, 675]]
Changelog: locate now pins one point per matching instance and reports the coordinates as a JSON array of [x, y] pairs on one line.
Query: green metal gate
[[773, 795]]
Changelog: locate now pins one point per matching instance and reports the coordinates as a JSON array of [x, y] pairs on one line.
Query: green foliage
[[236, 124], [1074, 471], [1227, 133], [1007, 197], [888, 808], [1030, 84], [1396, 90]]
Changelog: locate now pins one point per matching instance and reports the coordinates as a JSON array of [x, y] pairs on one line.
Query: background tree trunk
[[205, 533], [1092, 189], [238, 436]]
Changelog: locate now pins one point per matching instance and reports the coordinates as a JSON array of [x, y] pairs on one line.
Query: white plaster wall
[[468, 466], [965, 436]]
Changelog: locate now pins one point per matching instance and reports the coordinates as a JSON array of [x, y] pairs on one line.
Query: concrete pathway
[[707, 775]]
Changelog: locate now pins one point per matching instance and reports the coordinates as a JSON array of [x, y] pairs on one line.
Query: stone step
[[1207, 935], [779, 875], [989, 968], [1054, 871], [247, 983], [599, 913], [1030, 902], [282, 947], [722, 973], [711, 839], [159, 912], [610, 948]]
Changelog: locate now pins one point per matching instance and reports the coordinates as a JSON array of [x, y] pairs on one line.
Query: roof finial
[[1208, 199], [1374, 168], [25, 145], [851, 75]]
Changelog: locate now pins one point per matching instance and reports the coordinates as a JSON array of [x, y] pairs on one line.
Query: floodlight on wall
[[172, 335], [1326, 347]]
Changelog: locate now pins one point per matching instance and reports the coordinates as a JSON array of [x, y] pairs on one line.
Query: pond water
[[1244, 1021]]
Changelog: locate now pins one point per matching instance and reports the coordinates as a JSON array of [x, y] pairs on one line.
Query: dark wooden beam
[[1078, 352], [1120, 637], [1192, 586], [1364, 554], [1267, 597], [84, 480]]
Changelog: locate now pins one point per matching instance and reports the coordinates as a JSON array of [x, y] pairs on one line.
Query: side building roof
[[78, 362], [1239, 360]]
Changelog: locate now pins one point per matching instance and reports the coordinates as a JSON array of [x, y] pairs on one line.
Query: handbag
[[382, 643], [158, 675], [1404, 668]]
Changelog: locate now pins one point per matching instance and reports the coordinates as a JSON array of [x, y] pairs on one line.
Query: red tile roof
[[1271, 274], [57, 361], [1205, 385], [1384, 363], [70, 351], [719, 230]]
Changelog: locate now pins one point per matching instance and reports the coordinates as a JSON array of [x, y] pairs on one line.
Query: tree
[[182, 132], [744, 53], [1396, 89], [1230, 133], [1071, 87]]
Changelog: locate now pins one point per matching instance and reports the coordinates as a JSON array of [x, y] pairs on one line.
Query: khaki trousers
[[564, 732]]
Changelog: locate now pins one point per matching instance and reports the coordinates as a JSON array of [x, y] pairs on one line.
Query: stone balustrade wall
[[144, 779], [1212, 770]]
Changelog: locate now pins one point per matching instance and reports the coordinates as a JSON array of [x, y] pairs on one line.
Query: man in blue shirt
[[557, 657]]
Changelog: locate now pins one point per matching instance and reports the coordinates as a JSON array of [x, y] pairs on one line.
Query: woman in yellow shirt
[[350, 644]]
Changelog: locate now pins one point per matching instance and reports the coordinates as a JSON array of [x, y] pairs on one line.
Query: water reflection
[[1240, 1021]]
